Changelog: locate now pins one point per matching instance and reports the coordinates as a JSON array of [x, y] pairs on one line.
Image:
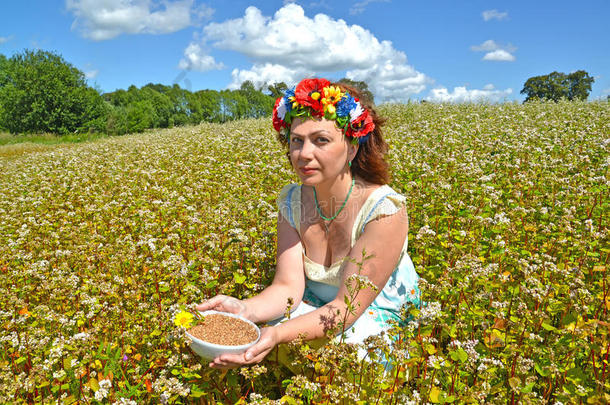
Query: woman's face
[[318, 150]]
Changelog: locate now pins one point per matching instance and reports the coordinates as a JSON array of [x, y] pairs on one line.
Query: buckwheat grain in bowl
[[221, 332]]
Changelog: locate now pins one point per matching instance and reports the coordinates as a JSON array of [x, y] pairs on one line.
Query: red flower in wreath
[[361, 126], [278, 123], [309, 93]]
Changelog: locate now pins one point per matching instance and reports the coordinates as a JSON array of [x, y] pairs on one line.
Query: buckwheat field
[[102, 243]]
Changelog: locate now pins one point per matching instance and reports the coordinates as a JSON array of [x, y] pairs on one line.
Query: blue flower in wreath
[[345, 105], [289, 98]]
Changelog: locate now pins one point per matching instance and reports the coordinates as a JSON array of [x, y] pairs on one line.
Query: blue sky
[[434, 50]]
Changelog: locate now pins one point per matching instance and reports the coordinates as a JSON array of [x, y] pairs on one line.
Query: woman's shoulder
[[383, 200], [379, 193], [288, 202]]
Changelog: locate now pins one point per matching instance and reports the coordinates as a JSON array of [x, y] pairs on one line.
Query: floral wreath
[[317, 98]]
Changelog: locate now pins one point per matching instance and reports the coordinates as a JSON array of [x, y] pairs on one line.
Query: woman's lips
[[307, 170]]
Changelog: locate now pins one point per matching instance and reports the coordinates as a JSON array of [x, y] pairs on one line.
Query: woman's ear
[[352, 150]]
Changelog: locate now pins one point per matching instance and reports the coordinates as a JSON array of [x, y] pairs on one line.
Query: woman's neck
[[331, 195]]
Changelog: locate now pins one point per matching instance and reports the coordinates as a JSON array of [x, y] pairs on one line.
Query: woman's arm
[[288, 282], [382, 239]]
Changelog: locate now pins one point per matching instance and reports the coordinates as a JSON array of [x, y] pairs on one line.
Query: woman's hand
[[269, 339], [224, 303]]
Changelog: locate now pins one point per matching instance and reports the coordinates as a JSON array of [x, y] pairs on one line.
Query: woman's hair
[[369, 163]]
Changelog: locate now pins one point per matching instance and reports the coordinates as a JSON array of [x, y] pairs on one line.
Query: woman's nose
[[307, 150]]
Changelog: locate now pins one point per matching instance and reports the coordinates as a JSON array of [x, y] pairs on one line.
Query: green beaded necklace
[[315, 196]]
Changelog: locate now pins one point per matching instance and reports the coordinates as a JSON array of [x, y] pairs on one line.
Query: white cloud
[[91, 74], [196, 59], [489, 45], [462, 95], [499, 55], [5, 39], [289, 45], [358, 8], [106, 19], [495, 51], [267, 73], [494, 14]]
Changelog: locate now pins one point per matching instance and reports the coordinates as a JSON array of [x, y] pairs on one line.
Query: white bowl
[[210, 351]]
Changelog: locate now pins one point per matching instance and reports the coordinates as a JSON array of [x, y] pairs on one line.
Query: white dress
[[322, 282]]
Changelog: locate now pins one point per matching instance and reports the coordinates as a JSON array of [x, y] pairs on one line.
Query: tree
[[579, 85], [210, 102], [277, 89], [41, 92], [367, 96], [140, 116], [557, 85], [3, 71], [258, 103]]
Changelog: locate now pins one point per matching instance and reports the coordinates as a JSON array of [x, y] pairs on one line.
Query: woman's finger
[[253, 355], [228, 361], [211, 303]]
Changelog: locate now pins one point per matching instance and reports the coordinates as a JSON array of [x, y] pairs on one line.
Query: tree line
[[161, 106], [557, 85], [41, 92]]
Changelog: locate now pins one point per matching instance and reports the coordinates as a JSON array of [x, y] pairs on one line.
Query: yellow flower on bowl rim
[[184, 319]]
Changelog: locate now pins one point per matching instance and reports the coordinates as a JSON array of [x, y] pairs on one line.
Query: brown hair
[[369, 163]]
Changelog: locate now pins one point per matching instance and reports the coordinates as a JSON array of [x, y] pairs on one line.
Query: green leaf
[[93, 384], [43, 384], [239, 278], [453, 330], [528, 388], [514, 382], [548, 327], [462, 355], [435, 394], [543, 371], [196, 392], [576, 375], [454, 355], [286, 399]]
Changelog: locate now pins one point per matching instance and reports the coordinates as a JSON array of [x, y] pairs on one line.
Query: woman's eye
[[295, 140], [322, 139]]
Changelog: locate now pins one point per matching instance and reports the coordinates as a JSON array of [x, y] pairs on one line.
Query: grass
[[12, 145], [101, 243]]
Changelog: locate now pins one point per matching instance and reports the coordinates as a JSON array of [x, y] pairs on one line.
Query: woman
[[342, 208]]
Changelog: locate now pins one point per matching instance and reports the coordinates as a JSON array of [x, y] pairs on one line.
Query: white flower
[[281, 109], [355, 112], [105, 384], [125, 401], [101, 394]]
